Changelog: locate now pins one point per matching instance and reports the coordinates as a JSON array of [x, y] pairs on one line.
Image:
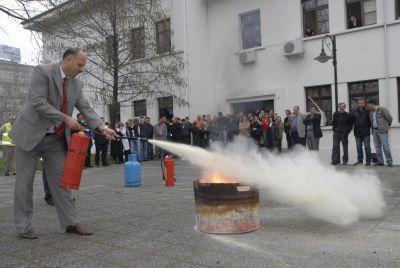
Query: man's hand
[[110, 134], [72, 123]]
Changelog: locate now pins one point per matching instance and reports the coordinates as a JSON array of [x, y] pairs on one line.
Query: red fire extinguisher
[[75, 161], [169, 171]]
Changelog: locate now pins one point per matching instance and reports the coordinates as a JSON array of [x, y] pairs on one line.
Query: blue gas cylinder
[[132, 172]]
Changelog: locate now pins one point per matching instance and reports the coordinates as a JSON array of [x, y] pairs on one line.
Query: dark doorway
[[250, 107]]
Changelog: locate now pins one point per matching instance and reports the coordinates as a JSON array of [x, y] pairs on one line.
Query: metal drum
[[226, 208]]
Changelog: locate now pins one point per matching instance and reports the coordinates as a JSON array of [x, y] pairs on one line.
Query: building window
[[139, 108], [322, 96], [251, 29], [166, 107], [163, 36], [315, 17], [137, 42], [397, 9], [367, 90], [360, 13]]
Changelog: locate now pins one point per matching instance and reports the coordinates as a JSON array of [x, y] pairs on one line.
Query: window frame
[[397, 7], [364, 94], [315, 10], [138, 47], [362, 14], [319, 100], [162, 47], [167, 100], [136, 103], [241, 16]]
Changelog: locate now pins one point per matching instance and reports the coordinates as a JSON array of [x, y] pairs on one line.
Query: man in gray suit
[[297, 128], [42, 130]]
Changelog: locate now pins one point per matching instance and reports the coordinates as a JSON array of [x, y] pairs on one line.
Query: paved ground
[[153, 226]]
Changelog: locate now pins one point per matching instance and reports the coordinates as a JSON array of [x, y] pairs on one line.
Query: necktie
[[64, 105]]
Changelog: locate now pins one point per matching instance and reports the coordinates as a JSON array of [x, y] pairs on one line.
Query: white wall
[[361, 56]]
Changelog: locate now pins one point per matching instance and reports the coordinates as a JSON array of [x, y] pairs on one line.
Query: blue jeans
[[367, 146], [382, 140]]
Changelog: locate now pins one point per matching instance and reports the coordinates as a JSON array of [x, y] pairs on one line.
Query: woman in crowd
[[255, 130], [265, 130], [279, 129], [244, 127], [125, 142]]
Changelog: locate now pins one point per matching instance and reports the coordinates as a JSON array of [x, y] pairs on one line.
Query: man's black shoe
[[367, 164], [334, 164], [390, 165], [357, 163], [7, 174], [378, 164], [344, 164], [49, 199]]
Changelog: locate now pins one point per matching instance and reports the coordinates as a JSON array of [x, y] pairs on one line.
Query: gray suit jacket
[[383, 118], [42, 109], [300, 125]]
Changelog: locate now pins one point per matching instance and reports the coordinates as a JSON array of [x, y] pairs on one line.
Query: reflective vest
[[6, 140]]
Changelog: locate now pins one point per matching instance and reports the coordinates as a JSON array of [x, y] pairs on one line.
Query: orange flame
[[218, 178]]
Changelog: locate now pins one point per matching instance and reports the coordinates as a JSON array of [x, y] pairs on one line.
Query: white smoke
[[298, 179]]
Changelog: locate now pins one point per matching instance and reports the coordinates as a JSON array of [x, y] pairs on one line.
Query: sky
[[13, 34]]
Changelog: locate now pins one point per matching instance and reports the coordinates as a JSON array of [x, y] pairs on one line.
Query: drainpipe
[[386, 48], [187, 57]]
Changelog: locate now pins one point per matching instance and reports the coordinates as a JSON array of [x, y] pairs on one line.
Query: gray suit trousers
[[53, 151]]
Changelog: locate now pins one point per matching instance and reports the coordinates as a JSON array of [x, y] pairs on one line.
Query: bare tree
[[129, 48]]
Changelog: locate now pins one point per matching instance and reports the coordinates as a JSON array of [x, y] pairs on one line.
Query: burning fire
[[217, 178]]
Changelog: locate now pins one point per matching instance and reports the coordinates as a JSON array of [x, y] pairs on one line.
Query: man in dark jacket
[[341, 125], [176, 131], [149, 134], [362, 125], [101, 145], [186, 131], [312, 124]]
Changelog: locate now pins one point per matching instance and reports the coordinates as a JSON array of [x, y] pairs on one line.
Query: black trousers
[[297, 140], [103, 150], [289, 139], [45, 183], [337, 138]]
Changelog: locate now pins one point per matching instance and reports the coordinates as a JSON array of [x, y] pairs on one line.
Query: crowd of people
[[265, 128]]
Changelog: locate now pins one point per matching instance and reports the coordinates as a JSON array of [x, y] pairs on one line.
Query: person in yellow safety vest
[[8, 147]]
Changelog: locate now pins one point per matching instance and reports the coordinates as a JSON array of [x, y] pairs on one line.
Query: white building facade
[[235, 59]]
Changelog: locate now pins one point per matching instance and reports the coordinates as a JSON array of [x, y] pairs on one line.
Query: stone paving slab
[[154, 226]]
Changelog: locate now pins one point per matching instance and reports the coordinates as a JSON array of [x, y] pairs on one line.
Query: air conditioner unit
[[247, 56], [293, 48]]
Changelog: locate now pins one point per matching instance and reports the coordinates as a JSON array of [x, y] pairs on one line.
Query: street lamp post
[[324, 58]]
